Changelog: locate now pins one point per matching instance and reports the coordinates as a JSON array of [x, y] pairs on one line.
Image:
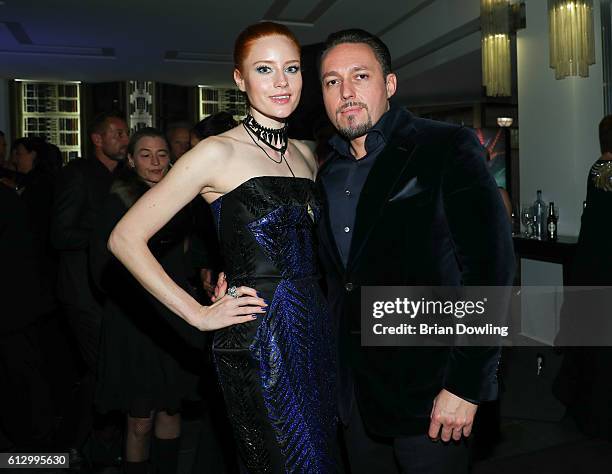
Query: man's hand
[[8, 182], [452, 414], [220, 289], [206, 275]]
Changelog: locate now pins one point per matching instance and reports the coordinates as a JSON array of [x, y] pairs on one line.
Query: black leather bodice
[[265, 227]]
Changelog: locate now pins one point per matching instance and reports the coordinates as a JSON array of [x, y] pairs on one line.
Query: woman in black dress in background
[[146, 365], [584, 383]]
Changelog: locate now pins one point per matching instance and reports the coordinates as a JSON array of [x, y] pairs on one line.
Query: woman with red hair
[[273, 347]]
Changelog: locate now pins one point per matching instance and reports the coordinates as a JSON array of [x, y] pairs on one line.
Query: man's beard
[[351, 132], [118, 156]]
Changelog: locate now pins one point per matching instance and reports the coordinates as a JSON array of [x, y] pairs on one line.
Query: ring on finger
[[232, 291]]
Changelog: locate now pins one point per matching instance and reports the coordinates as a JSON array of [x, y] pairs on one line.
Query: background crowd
[[82, 345]]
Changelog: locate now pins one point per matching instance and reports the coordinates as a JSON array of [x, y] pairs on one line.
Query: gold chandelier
[[496, 63], [572, 37]]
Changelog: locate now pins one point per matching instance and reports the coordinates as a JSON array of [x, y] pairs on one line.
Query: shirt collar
[[101, 166], [377, 136]]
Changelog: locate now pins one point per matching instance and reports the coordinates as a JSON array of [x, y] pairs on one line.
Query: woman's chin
[[277, 112]]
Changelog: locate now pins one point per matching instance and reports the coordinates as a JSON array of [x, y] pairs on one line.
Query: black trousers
[[85, 324], [410, 455], [27, 410]]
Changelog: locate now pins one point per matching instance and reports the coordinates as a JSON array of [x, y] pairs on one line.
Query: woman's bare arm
[[128, 241]]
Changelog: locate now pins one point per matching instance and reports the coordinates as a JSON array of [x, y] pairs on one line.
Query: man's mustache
[[351, 104]]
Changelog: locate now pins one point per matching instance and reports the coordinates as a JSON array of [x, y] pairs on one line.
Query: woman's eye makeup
[[263, 69]]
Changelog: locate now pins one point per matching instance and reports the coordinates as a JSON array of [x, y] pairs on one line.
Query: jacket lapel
[[391, 169]]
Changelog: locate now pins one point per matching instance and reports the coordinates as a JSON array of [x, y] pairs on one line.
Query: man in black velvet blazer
[[408, 202]]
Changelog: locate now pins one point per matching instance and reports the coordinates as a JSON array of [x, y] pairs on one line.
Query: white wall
[[558, 144], [4, 108], [558, 121]]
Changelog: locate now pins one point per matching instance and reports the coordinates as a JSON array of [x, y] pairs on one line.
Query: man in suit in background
[[407, 202], [179, 138], [80, 192]]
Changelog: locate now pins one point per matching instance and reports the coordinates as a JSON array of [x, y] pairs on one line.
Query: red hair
[[256, 31]]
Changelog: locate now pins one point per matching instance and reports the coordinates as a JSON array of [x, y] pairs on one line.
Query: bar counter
[[559, 251]]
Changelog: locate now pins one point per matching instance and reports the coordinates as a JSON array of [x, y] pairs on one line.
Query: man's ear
[[239, 80], [96, 139], [391, 84]]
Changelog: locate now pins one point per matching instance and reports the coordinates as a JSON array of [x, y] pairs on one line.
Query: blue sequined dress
[[278, 372]]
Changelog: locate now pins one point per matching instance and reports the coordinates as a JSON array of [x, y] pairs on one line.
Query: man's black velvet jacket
[[429, 214]]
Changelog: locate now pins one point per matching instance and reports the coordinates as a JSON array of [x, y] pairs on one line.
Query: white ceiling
[[434, 43]]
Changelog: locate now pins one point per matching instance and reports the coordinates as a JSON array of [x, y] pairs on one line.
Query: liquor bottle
[[539, 216], [551, 222]]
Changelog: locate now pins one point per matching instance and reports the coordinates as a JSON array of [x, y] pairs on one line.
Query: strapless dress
[[278, 373]]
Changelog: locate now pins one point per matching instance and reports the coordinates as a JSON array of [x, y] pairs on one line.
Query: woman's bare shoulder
[[218, 143], [209, 152]]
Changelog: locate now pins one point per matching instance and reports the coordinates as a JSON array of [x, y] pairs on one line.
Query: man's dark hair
[[44, 161], [1, 133], [605, 134], [356, 36], [214, 125], [99, 123], [145, 132]]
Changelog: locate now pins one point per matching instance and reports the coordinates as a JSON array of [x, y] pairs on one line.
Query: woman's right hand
[[228, 311]]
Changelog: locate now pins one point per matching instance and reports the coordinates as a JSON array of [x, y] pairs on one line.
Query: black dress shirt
[[346, 176]]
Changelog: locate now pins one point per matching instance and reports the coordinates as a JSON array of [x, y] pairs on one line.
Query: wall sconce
[[496, 64], [571, 37], [498, 19], [504, 122]]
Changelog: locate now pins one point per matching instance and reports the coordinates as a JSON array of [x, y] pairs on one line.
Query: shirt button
[[348, 286], [348, 193], [347, 229]]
